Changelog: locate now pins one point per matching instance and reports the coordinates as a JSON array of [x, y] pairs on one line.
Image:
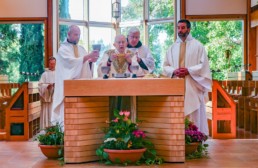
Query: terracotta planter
[[51, 151], [123, 156], [191, 148]]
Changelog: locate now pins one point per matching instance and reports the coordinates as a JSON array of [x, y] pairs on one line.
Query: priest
[[73, 62], [187, 59], [143, 54], [46, 90], [119, 59]]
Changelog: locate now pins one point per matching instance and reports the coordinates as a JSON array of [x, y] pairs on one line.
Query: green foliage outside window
[[223, 42], [22, 50]]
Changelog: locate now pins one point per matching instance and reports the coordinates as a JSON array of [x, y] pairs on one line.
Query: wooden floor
[[231, 153]]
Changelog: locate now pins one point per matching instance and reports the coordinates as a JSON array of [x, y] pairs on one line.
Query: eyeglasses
[[134, 37]]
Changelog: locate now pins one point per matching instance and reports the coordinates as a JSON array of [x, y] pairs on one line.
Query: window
[[95, 28], [223, 41], [22, 51], [158, 17], [100, 10]]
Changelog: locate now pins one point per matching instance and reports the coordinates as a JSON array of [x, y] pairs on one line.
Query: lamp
[[116, 9]]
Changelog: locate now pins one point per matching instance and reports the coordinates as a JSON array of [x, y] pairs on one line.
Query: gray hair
[[133, 30]]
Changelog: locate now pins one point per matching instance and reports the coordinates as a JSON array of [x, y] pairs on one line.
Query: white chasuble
[[197, 83], [68, 67], [145, 54]]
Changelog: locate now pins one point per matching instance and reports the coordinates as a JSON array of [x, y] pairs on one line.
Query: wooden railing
[[6, 92], [221, 113], [22, 113]]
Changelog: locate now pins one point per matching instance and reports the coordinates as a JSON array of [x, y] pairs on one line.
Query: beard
[[183, 35]]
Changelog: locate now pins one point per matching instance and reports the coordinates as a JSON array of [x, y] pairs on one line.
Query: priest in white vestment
[[46, 90], [187, 58], [144, 57], [72, 62], [119, 59]]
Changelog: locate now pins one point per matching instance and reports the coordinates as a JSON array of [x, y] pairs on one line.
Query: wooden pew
[[244, 100], [221, 113], [6, 92], [253, 109], [254, 114], [22, 113]]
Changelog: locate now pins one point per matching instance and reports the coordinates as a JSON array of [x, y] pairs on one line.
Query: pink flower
[[115, 120], [127, 113], [139, 133]]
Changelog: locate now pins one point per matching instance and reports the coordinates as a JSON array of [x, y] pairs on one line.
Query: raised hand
[[128, 58], [92, 57]]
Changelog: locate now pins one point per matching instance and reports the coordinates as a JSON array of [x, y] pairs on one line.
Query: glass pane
[[161, 9], [124, 31], [71, 9], [161, 36], [223, 41], [63, 29], [22, 51], [131, 10], [100, 10], [103, 36]]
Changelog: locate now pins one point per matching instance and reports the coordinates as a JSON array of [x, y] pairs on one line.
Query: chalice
[[105, 70], [134, 69]]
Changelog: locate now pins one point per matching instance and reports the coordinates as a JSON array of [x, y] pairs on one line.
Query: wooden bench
[[254, 115], [22, 113], [220, 112], [6, 92]]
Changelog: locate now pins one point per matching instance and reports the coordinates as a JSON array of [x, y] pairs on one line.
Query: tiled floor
[[229, 153]]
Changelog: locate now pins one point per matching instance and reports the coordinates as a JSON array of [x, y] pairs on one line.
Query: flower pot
[[51, 151], [191, 148], [123, 156]]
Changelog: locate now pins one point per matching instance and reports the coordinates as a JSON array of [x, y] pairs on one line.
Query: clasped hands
[[181, 72], [50, 86]]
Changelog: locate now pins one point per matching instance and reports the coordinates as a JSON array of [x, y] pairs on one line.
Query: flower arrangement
[[52, 135], [51, 141], [123, 134], [192, 134]]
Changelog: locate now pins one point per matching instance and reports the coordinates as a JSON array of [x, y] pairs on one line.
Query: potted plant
[[124, 139], [194, 141], [51, 141]]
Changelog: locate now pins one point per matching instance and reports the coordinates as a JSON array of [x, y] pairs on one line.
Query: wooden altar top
[[130, 87]]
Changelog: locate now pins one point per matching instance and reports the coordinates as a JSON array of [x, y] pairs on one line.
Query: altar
[[159, 102]]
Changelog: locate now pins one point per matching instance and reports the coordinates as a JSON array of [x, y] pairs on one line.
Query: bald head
[[120, 43], [119, 38], [73, 34]]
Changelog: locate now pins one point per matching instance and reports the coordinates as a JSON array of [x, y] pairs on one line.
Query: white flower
[[110, 139]]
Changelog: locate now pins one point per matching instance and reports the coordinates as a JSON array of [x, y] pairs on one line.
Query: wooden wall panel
[[163, 120], [84, 118]]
